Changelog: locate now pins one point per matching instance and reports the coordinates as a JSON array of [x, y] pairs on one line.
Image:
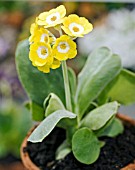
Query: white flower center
[[76, 28], [53, 18], [42, 52], [44, 38], [63, 47]]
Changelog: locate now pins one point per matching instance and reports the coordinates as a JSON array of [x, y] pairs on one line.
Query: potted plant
[[85, 107]]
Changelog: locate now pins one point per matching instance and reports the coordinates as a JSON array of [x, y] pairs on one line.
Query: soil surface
[[117, 153]]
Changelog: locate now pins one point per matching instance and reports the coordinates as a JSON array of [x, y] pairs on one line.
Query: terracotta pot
[[31, 166], [24, 154]]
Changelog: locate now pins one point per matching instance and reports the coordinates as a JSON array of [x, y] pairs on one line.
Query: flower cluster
[[47, 51]]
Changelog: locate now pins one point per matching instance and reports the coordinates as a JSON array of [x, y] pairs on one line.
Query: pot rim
[[24, 154], [31, 166]]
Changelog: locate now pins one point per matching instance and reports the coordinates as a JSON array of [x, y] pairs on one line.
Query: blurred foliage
[[10, 6], [111, 6], [15, 121], [13, 5]]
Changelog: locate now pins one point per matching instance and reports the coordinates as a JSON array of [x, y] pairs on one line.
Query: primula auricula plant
[[86, 105]]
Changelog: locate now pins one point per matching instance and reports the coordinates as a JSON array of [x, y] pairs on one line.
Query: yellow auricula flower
[[42, 35], [76, 26], [52, 18], [64, 48], [39, 35], [40, 54]]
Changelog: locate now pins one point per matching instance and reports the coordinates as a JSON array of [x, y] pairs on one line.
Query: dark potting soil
[[117, 153]]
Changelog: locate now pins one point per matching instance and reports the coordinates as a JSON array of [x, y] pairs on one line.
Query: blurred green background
[[114, 26]]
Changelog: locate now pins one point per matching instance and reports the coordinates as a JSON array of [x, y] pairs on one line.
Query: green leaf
[[70, 132], [27, 104], [67, 124], [121, 89], [101, 67], [98, 117], [111, 129], [102, 144], [85, 146], [72, 84], [37, 112], [38, 85], [63, 150], [52, 103], [48, 124]]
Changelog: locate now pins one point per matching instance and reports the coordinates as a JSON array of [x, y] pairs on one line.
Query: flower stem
[[66, 84]]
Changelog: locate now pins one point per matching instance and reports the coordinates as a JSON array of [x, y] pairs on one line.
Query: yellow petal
[[43, 15], [56, 64], [44, 69], [40, 22]]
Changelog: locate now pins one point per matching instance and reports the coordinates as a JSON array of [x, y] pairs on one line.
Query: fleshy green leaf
[[52, 103], [67, 123], [102, 144], [121, 89], [37, 111], [98, 117], [63, 150], [27, 104], [48, 124], [85, 146], [38, 85], [101, 67], [111, 129]]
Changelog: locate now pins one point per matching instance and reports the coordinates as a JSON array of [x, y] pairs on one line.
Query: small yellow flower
[[76, 26], [42, 35], [52, 18], [40, 54], [46, 68], [39, 35], [64, 48]]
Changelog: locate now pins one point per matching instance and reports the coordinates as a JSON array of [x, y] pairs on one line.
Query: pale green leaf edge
[[48, 124]]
